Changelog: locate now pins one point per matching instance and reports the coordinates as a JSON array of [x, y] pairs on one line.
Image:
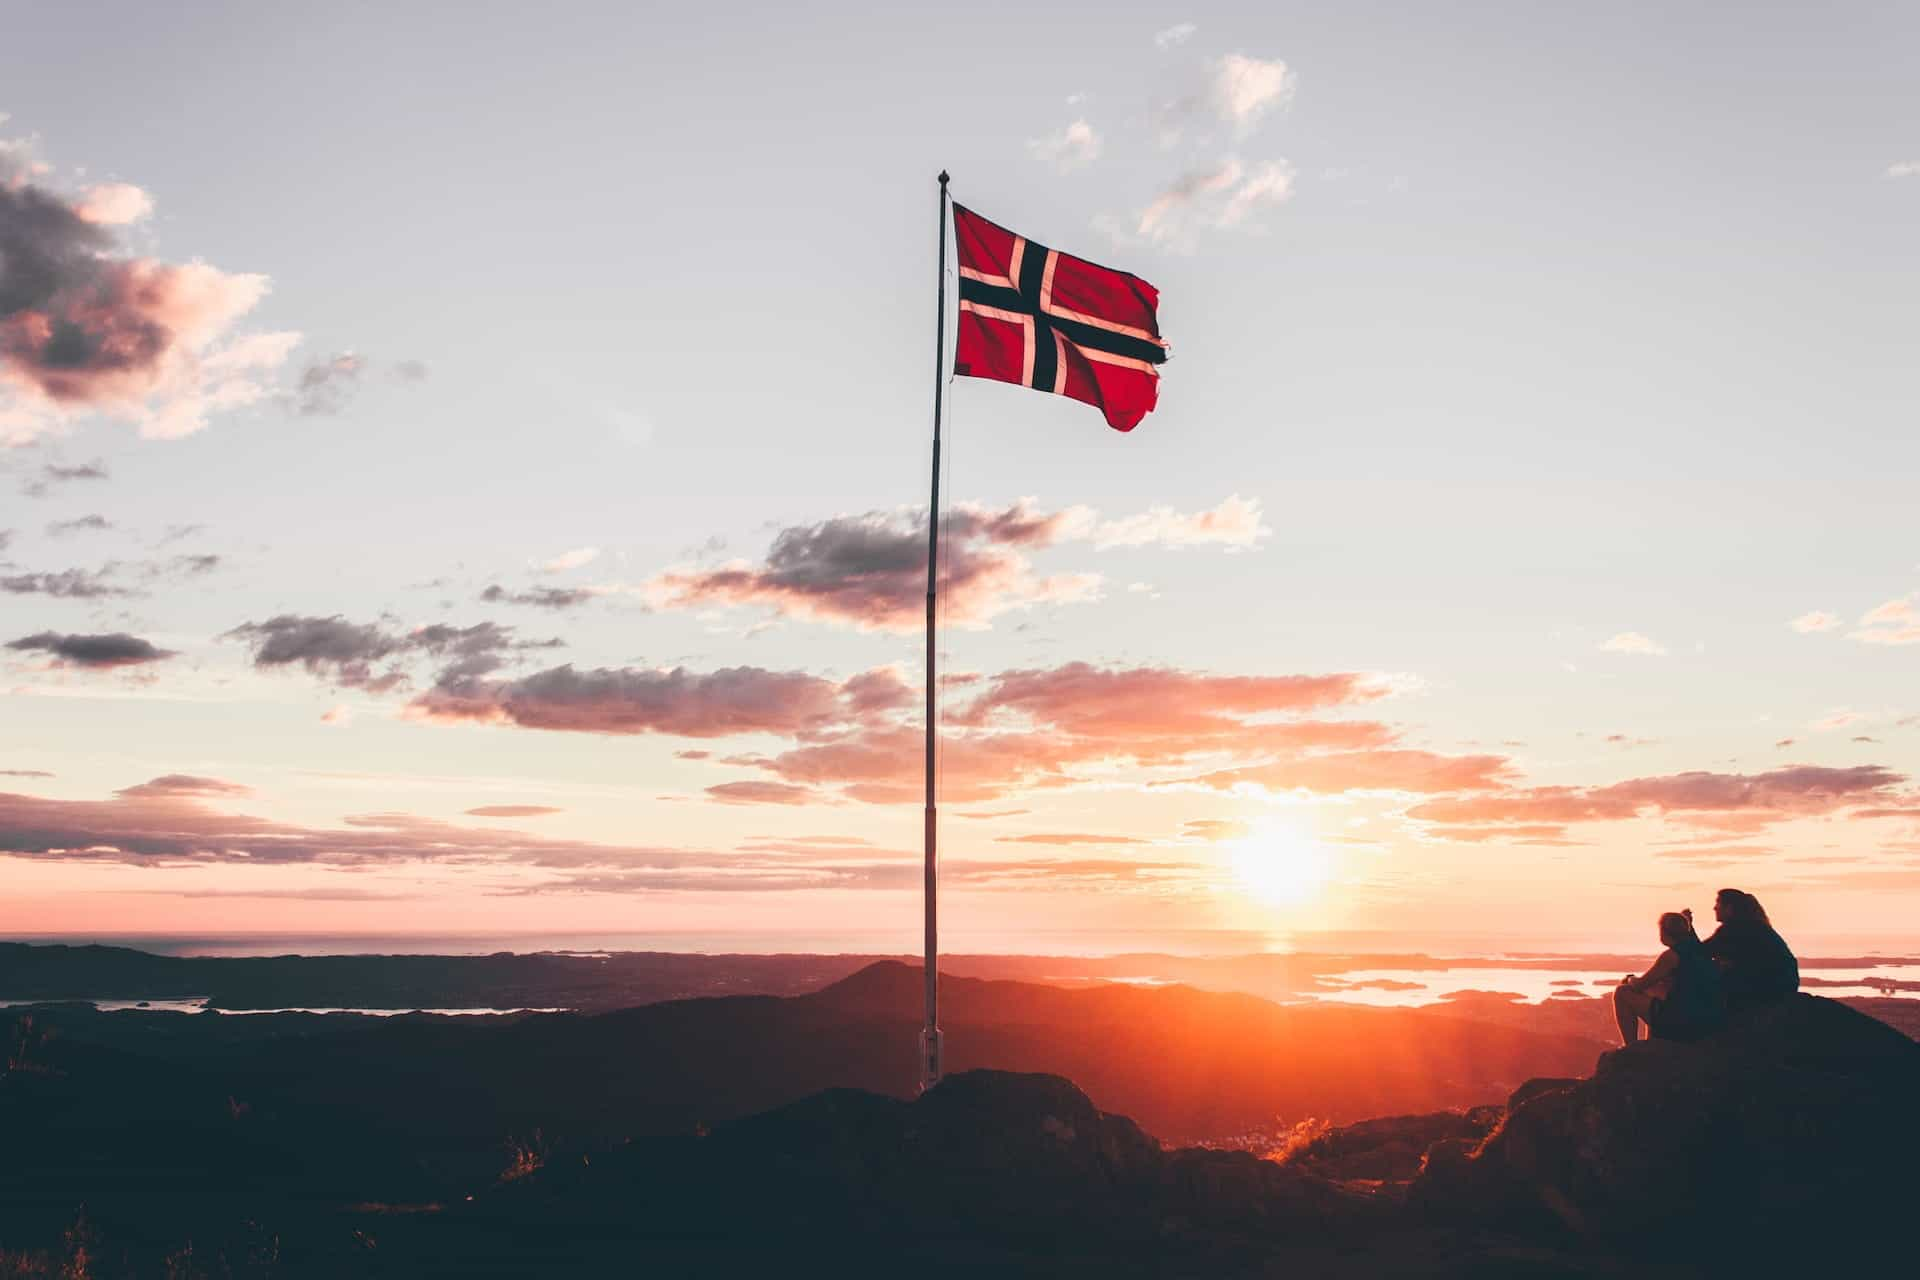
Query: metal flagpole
[[930, 1034]]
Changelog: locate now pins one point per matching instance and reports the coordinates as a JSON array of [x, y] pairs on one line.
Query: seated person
[[1679, 997], [1756, 965]]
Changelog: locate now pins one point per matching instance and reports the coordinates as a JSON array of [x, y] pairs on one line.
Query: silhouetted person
[[1679, 998], [1756, 965]]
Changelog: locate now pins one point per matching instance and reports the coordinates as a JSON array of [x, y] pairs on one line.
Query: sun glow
[[1281, 865]]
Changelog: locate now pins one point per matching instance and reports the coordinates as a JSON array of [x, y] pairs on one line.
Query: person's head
[[1736, 904], [1676, 927]]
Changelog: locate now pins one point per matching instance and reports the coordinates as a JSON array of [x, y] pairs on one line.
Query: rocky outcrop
[[1799, 1123]]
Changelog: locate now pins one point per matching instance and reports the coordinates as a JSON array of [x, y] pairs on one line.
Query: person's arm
[[1659, 975]]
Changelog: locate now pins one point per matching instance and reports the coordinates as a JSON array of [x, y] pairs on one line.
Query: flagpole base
[[929, 1058]]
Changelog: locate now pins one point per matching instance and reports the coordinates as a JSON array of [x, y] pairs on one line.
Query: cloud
[[1074, 147], [1225, 196], [87, 328], [629, 700], [1165, 218], [1904, 169], [325, 386], [573, 559], [1070, 838], [1384, 770], [53, 475], [332, 648], [511, 811], [184, 784], [1267, 187], [1177, 34], [1895, 622], [1818, 620], [753, 792], [1055, 727], [80, 524], [1243, 89], [170, 822], [338, 716], [113, 204], [1235, 522], [1633, 642], [24, 773], [1840, 719], [346, 653], [540, 597], [869, 571], [92, 652], [1723, 801], [67, 584]]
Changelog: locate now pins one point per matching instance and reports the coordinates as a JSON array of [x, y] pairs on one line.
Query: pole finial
[[943, 177]]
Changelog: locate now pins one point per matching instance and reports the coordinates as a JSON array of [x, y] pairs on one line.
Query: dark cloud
[[871, 570], [539, 597], [80, 524], [1721, 801], [95, 652], [325, 386], [331, 648], [69, 584], [85, 327], [53, 475], [511, 811], [349, 653], [624, 700]]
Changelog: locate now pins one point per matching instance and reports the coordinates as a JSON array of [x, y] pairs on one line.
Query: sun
[[1281, 865]]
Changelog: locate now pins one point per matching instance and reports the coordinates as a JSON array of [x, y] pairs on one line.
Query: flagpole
[[930, 1034]]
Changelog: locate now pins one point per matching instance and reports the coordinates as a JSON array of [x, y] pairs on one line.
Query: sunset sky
[[465, 469]]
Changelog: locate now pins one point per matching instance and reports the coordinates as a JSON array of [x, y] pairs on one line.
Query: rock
[[1805, 1113]]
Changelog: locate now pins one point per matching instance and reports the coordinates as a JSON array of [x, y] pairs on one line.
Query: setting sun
[[1280, 865]]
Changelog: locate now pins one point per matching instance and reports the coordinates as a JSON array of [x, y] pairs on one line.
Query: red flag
[[1054, 322]]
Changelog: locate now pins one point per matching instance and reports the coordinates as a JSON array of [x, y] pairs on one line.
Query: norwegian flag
[[1054, 322]]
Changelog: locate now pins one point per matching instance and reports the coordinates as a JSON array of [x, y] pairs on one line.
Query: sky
[[465, 470]]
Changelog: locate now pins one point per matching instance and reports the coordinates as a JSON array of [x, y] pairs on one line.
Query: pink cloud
[[86, 328], [1718, 801], [755, 792], [113, 204], [1895, 622]]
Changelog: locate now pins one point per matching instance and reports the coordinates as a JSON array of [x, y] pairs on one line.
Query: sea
[[1535, 969]]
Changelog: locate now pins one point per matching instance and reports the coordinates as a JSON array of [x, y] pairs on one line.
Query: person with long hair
[[1757, 967], [1679, 997]]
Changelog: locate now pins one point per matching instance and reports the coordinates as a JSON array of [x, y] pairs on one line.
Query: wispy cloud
[[1895, 622], [1174, 36], [1904, 169], [1818, 620], [1075, 146], [53, 475], [1633, 642], [1244, 89], [568, 560]]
